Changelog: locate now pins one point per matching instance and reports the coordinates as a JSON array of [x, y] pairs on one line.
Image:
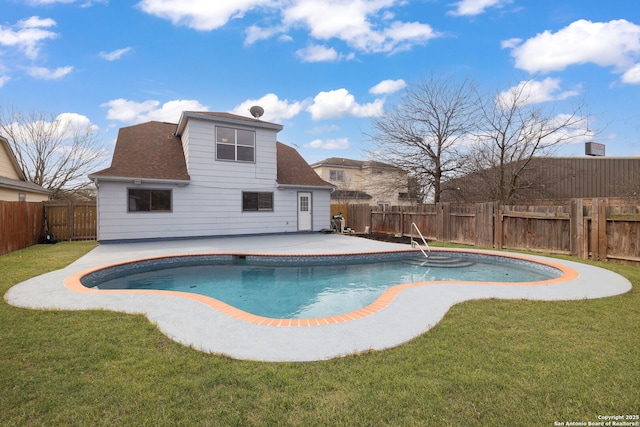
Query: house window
[[254, 201], [149, 200], [237, 145], [22, 197], [336, 175]]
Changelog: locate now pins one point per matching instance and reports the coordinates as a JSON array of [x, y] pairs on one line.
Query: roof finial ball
[[256, 111]]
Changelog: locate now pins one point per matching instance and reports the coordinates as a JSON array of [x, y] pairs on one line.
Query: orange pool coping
[[73, 283]]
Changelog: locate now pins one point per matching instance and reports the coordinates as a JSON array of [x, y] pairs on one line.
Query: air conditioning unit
[[593, 149]]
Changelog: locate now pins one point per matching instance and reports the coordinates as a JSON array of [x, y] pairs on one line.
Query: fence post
[[576, 227], [484, 224], [443, 221], [599, 229], [70, 218], [498, 209]]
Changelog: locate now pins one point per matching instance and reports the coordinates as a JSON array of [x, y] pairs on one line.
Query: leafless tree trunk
[[425, 132], [513, 133], [55, 152]]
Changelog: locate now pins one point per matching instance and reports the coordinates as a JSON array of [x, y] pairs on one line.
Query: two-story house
[[211, 174], [365, 182], [14, 186]]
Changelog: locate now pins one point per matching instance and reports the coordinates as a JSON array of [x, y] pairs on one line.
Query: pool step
[[440, 261]]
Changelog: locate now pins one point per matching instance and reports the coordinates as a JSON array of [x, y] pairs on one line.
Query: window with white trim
[[257, 201], [143, 200], [236, 145]]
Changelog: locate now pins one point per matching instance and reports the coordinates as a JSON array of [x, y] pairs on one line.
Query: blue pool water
[[309, 287]]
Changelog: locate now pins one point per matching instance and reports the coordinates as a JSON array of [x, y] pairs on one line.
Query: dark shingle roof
[[350, 163], [149, 150], [294, 170], [350, 194]]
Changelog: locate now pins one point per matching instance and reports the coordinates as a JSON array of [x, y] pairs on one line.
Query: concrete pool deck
[[404, 314]]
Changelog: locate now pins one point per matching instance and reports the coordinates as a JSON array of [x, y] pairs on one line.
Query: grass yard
[[491, 362]]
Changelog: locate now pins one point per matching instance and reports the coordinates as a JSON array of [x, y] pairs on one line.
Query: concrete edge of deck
[[205, 324]]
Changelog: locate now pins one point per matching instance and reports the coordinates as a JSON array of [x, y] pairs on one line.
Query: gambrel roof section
[[293, 170], [152, 151], [147, 151]]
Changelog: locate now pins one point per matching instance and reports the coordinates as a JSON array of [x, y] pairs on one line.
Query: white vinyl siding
[[211, 204]]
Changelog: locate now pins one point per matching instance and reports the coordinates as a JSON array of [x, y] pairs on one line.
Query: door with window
[[304, 212]]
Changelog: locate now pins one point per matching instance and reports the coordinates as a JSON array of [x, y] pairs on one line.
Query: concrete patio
[[412, 312]]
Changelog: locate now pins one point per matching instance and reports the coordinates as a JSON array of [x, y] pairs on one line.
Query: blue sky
[[323, 69]]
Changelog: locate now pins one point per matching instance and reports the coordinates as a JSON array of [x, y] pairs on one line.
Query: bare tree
[[424, 134], [513, 132], [55, 152]]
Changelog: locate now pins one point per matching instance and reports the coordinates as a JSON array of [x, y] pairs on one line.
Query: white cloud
[[355, 23], [318, 53], [578, 131], [632, 75], [4, 80], [203, 15], [364, 25], [475, 7], [75, 122], [255, 33], [128, 111], [614, 43], [330, 144], [533, 92], [388, 86], [275, 109], [510, 43], [47, 74], [114, 54], [64, 126], [27, 35], [340, 103]]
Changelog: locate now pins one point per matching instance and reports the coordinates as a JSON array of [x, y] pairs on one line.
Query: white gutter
[[306, 187], [139, 181]]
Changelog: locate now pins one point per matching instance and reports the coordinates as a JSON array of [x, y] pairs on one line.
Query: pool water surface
[[309, 287]]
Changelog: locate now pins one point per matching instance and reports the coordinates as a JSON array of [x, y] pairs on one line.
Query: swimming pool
[[203, 323], [303, 287]]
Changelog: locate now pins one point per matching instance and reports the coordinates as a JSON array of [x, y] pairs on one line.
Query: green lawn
[[492, 362]]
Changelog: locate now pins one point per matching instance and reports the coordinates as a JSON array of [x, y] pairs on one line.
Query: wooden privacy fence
[[20, 225], [72, 221], [600, 229]]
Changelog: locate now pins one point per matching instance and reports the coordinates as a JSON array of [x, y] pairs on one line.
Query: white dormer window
[[236, 145]]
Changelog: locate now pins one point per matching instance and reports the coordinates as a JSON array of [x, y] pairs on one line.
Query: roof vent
[[256, 111]]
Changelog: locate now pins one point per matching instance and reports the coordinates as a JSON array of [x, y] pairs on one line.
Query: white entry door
[[304, 212]]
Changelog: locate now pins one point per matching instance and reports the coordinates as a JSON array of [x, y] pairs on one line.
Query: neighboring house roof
[[20, 184], [294, 170], [350, 194], [148, 150], [153, 151], [349, 163], [30, 187]]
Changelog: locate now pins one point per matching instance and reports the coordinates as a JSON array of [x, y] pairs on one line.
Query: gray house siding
[[210, 203]]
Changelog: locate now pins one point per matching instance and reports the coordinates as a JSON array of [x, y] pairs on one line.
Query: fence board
[[20, 225], [72, 221], [602, 229]]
